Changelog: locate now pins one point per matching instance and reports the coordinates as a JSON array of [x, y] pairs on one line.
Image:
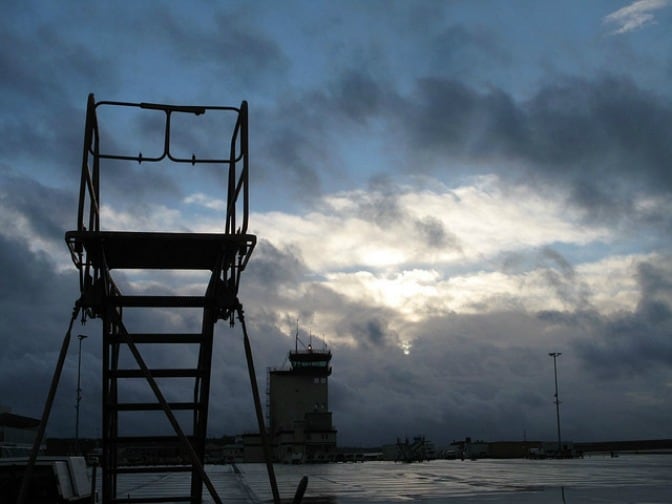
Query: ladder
[[97, 253]]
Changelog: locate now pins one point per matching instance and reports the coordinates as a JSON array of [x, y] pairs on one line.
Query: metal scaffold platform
[[98, 252]]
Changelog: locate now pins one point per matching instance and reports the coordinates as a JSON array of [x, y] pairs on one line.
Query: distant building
[[225, 450], [253, 450], [469, 449], [300, 421], [17, 429], [416, 450]]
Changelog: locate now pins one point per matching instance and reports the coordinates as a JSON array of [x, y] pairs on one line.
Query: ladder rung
[[156, 373], [148, 440], [153, 469], [149, 500], [159, 301], [153, 406], [166, 338]]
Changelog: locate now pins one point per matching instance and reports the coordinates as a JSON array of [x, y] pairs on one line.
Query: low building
[[514, 449], [253, 449], [225, 450], [17, 429], [469, 449]]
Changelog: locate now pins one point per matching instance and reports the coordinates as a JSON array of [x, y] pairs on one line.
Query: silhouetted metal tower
[[97, 252]]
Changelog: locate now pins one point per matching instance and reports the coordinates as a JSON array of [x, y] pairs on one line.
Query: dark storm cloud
[[294, 140], [448, 117], [272, 268], [602, 138], [357, 96], [49, 72], [605, 138], [434, 234], [292, 158], [43, 93], [460, 49], [41, 63], [36, 305], [603, 198], [561, 278], [559, 261], [632, 343], [20, 280], [484, 375], [382, 206], [228, 45], [47, 135], [273, 272], [456, 381], [301, 153], [607, 127], [49, 211], [371, 331]]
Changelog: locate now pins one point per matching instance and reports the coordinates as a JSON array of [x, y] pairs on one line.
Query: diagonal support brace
[[169, 414], [257, 407]]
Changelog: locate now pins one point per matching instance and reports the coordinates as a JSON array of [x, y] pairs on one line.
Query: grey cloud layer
[[604, 136]]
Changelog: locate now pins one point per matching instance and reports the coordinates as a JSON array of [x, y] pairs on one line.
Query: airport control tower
[[300, 419]]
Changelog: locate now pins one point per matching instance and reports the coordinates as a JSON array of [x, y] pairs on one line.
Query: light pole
[[79, 388], [555, 355]]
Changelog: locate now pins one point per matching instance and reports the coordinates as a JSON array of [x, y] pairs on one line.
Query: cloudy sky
[[445, 192]]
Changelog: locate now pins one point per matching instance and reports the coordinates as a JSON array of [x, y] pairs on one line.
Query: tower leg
[[47, 408], [202, 398], [257, 407]]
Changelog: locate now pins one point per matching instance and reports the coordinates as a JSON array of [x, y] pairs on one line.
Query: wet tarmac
[[631, 479]]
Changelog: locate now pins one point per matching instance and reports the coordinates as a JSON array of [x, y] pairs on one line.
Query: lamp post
[[79, 388], [555, 355]]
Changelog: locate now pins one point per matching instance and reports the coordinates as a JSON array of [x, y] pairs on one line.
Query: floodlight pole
[[555, 355], [79, 389]]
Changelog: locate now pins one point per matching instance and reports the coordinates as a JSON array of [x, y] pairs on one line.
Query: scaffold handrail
[[88, 218]]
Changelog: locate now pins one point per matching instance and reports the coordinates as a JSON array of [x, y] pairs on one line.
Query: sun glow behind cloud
[[394, 260], [472, 223], [391, 260], [389, 265]]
